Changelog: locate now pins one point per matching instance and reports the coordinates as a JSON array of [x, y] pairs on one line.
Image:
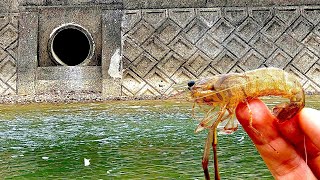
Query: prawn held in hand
[[226, 91]]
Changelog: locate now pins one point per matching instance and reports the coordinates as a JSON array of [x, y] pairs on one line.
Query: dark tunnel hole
[[71, 46]]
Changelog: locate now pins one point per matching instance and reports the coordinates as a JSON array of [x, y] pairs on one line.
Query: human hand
[[284, 146]]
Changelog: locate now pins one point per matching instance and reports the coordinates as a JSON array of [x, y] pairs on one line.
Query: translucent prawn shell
[[230, 89]]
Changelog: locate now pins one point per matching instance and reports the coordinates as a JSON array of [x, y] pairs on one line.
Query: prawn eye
[[213, 88], [191, 83]]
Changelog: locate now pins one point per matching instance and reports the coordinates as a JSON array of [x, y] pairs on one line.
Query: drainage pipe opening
[[71, 45]]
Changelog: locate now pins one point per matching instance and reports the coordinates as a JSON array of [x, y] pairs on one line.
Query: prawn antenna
[[305, 149], [178, 95]]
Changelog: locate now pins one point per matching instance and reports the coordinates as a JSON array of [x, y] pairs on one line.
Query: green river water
[[123, 140]]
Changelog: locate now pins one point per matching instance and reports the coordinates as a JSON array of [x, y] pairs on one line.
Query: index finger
[[309, 120]]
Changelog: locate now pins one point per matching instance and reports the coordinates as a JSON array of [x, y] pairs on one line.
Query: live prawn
[[226, 91]]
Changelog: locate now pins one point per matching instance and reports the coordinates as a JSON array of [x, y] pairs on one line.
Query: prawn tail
[[285, 111]]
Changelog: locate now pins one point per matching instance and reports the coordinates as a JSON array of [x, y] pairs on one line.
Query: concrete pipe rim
[[71, 26]]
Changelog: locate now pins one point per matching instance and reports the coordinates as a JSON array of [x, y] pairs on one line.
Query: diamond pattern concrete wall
[[8, 53], [163, 47]]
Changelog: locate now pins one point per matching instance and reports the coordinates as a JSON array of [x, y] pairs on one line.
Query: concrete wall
[[157, 43], [162, 47], [8, 49]]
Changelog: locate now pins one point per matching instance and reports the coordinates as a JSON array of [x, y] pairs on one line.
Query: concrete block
[[111, 50], [111, 87], [27, 53]]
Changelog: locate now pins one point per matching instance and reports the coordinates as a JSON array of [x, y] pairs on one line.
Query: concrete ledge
[[47, 86], [69, 72], [68, 78], [143, 4], [237, 3], [67, 2], [12, 5]]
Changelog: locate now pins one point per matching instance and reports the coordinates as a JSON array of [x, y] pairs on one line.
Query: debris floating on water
[[86, 162], [242, 138], [45, 158]]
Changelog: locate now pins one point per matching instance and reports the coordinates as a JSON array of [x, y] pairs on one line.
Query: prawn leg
[[215, 155], [231, 125], [254, 129], [213, 141], [250, 119], [205, 122], [206, 153], [192, 112]]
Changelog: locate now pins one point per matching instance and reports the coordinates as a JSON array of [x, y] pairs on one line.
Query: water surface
[[123, 140]]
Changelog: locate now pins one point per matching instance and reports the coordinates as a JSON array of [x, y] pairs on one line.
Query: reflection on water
[[123, 140]]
